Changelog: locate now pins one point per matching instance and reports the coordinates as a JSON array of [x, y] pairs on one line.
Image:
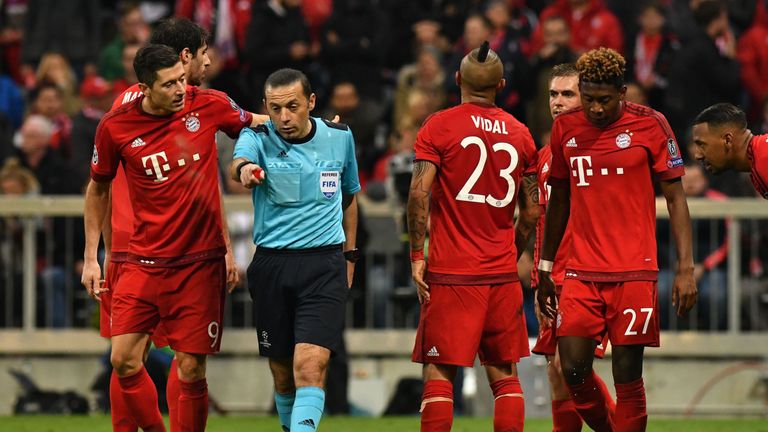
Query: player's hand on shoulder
[[252, 175], [91, 279], [418, 270]]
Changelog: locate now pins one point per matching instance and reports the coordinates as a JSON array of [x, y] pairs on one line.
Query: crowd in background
[[383, 66]]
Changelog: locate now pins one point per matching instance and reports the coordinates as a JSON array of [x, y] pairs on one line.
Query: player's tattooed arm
[[424, 173], [529, 212]]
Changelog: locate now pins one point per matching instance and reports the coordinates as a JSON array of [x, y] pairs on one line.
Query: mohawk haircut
[[602, 66], [722, 114], [481, 72]]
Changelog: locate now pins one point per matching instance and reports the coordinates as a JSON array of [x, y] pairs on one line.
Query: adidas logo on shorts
[[433, 352]]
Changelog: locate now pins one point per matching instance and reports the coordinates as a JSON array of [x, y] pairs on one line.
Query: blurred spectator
[[277, 37], [132, 29], [12, 15], [363, 117], [650, 54], [354, 45], [710, 256], [592, 25], [316, 13], [413, 25], [11, 101], [761, 125], [97, 96], [636, 94], [702, 73], [68, 27], [753, 58], [54, 68], [46, 99], [35, 153], [129, 77], [426, 75], [555, 50]]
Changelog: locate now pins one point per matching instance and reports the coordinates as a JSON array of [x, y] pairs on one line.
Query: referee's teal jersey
[[299, 204]]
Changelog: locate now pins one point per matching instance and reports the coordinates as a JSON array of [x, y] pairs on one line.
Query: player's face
[[289, 108], [601, 102], [167, 92], [710, 148], [198, 65], [563, 94]]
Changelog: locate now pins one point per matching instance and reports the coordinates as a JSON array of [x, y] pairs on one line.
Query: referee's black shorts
[[300, 297]]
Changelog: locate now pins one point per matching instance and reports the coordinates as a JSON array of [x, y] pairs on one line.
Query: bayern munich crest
[[623, 140], [192, 123]]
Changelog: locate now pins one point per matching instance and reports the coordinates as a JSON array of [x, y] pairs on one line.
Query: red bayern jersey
[[171, 168], [122, 211], [610, 173], [543, 169], [481, 153], [757, 153]]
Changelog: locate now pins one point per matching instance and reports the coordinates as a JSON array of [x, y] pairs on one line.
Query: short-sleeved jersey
[[481, 153], [757, 153], [299, 205], [610, 173], [543, 169], [122, 210], [171, 167]]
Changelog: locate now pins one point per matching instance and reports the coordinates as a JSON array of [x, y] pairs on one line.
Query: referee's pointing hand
[[251, 175]]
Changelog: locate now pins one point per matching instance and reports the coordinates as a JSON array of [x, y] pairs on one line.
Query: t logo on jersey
[[156, 168], [582, 168]]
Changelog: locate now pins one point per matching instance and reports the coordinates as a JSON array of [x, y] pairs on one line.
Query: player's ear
[[500, 86], [457, 77], [312, 100], [728, 140], [143, 88], [622, 92], [185, 56]]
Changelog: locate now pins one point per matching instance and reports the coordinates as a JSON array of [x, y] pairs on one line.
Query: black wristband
[[240, 167]]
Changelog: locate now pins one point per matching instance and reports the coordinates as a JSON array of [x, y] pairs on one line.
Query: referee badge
[[329, 183]]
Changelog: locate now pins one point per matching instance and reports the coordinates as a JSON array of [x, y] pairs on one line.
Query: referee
[[304, 177]]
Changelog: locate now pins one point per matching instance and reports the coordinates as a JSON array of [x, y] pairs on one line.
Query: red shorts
[[626, 311], [187, 301], [546, 343], [461, 321], [105, 322]]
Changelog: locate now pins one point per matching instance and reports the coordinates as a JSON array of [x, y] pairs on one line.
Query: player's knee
[[310, 372], [191, 367], [125, 364], [575, 372]]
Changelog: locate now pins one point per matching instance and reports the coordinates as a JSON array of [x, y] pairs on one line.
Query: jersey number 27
[[465, 194]]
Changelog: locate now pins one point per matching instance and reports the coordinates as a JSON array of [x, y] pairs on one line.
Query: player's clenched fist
[[251, 175]]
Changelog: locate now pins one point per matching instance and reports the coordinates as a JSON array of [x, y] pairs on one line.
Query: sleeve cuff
[[102, 178]]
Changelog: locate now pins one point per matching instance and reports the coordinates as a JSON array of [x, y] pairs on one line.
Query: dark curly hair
[[602, 66]]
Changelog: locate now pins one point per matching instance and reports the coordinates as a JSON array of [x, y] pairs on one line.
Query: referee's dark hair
[[179, 33], [151, 59], [288, 76], [722, 114]]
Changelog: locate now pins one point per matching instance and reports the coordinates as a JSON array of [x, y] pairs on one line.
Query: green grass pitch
[[356, 424]]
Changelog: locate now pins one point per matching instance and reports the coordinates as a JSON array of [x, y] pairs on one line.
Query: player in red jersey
[[471, 158], [563, 96], [604, 158], [172, 276], [723, 142], [190, 42]]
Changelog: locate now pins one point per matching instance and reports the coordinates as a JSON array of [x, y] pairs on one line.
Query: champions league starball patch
[[192, 123], [233, 104], [675, 159], [95, 157], [329, 183]]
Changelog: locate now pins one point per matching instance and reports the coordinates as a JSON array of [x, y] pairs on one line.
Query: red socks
[[630, 407], [437, 406], [565, 418], [609, 402], [509, 405], [193, 406], [140, 397], [591, 404], [121, 418], [172, 391]]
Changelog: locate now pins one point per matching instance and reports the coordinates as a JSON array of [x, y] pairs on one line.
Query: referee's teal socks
[[307, 409], [284, 406]]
